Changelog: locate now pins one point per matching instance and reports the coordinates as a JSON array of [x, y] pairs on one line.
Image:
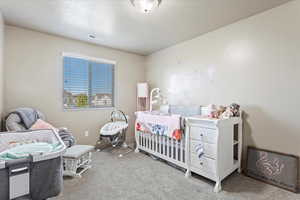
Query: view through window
[[87, 83]]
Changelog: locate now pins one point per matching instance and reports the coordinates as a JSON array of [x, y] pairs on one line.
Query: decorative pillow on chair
[[41, 124]]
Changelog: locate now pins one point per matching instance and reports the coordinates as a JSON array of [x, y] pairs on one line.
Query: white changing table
[[222, 144]]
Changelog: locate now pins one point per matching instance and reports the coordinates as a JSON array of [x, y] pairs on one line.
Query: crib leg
[[136, 150], [188, 173], [239, 170], [78, 176], [218, 187]]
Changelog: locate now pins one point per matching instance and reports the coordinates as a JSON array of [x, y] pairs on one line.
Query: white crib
[[166, 148], [222, 146], [169, 149]]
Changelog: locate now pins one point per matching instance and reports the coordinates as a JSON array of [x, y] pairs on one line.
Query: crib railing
[[166, 148]]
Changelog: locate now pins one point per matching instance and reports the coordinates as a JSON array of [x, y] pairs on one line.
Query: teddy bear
[[216, 111]]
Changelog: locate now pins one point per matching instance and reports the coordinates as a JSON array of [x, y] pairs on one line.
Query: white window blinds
[[87, 83]]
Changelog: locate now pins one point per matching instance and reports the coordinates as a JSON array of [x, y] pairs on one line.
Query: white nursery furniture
[[164, 147], [222, 147], [77, 160], [221, 140]]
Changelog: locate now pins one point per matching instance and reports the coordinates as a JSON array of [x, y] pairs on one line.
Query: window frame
[[89, 58]]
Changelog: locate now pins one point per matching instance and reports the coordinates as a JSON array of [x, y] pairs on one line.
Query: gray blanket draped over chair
[[27, 115], [22, 119]]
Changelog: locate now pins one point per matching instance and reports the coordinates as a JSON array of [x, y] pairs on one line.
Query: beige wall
[[254, 62], [1, 65], [33, 77]]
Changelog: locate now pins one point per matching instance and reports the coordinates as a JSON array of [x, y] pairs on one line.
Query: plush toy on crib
[[212, 111], [216, 111], [232, 111]]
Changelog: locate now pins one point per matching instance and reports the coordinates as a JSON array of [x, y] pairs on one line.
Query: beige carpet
[[139, 177]]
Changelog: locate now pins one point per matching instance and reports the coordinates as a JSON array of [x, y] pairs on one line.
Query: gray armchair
[[14, 122], [21, 119]]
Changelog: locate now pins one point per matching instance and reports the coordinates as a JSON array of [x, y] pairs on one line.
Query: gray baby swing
[[113, 133]]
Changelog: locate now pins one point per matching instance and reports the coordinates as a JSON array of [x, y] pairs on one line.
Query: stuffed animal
[[227, 114], [221, 110], [212, 110], [216, 111], [235, 109], [232, 111]]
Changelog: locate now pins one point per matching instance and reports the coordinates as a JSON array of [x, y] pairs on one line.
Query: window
[[88, 83]]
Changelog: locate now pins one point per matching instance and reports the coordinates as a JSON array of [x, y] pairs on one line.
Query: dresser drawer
[[204, 134], [210, 150], [203, 163]]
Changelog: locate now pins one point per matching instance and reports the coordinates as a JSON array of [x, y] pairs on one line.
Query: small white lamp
[[142, 96], [142, 90]]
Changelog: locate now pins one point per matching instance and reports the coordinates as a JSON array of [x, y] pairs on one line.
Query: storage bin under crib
[[38, 176]]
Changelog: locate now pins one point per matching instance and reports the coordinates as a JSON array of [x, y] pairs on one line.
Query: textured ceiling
[[117, 24]]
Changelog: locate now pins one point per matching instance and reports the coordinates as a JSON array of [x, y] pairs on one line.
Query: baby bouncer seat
[[114, 132]]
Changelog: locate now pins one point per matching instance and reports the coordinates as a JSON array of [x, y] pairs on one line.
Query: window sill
[[87, 109]]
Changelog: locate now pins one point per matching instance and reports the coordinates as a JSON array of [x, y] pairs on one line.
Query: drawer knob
[[201, 134], [201, 163]]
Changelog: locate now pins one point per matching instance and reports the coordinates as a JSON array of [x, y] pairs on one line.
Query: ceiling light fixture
[[146, 6]]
